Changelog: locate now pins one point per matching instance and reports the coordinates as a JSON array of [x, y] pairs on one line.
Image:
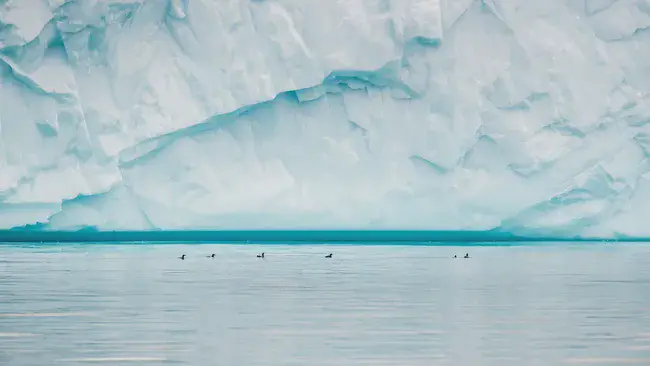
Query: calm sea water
[[369, 305]]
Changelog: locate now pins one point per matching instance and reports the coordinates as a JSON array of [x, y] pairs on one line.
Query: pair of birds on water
[[182, 257]]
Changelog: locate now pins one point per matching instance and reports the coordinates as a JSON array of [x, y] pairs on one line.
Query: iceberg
[[528, 117]]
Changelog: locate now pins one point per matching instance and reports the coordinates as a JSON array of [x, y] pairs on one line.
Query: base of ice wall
[[527, 117]]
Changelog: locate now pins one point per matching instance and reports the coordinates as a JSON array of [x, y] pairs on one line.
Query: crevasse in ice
[[531, 117]]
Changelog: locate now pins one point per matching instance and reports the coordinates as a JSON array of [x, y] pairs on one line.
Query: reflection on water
[[378, 305]]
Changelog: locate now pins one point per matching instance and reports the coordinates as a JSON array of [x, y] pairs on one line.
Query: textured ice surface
[[527, 116]]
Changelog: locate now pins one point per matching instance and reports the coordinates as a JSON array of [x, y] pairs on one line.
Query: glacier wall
[[531, 117]]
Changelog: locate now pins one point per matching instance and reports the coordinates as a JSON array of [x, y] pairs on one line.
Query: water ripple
[[376, 305]]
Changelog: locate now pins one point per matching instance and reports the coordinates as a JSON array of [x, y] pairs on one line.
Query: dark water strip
[[410, 237]]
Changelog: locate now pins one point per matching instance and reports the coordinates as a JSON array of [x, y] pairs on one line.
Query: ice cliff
[[531, 117]]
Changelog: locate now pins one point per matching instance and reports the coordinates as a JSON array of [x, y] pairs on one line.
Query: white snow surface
[[531, 117]]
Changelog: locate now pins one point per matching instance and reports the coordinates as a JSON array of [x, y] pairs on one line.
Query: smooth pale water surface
[[536, 304]]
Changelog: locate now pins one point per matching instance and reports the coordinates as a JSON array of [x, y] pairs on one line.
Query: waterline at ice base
[[527, 117]]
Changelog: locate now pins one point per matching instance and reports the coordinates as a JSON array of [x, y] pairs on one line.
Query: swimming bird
[[329, 255], [210, 256], [466, 255], [260, 255], [182, 257], [455, 256]]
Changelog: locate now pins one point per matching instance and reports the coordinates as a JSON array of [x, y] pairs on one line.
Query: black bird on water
[[466, 255], [260, 255], [455, 256], [329, 255], [182, 257], [210, 256]]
